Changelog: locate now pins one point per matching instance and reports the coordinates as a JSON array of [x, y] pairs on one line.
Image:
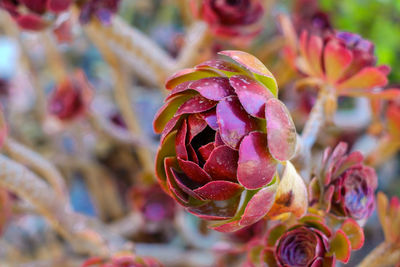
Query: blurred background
[[104, 166]]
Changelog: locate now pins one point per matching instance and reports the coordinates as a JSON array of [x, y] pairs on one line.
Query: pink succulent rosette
[[101, 9], [122, 260], [344, 186], [346, 63], [34, 15], [231, 18], [71, 98], [223, 134], [310, 242]]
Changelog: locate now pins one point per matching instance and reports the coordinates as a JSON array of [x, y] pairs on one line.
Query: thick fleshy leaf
[[213, 88], [171, 125], [192, 154], [314, 54], [195, 125], [234, 122], [252, 95], [340, 246], [194, 171], [167, 149], [218, 140], [173, 189], [184, 183], [281, 131], [217, 210], [219, 190], [352, 159], [337, 59], [188, 75], [178, 90], [354, 233], [367, 78], [222, 163], [205, 151], [223, 66], [256, 166], [210, 117], [258, 206], [195, 104], [180, 142], [255, 66], [291, 195], [167, 111]]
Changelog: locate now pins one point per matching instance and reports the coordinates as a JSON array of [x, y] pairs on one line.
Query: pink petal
[[337, 59], [258, 206], [222, 164], [281, 131], [255, 66], [252, 95], [234, 123], [218, 190], [195, 104], [367, 78], [213, 88], [256, 166], [194, 171]]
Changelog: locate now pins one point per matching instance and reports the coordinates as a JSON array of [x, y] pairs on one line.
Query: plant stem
[[39, 164], [86, 235], [386, 254], [123, 99]]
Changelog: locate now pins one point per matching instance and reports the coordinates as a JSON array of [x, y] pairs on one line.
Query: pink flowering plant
[[196, 133]]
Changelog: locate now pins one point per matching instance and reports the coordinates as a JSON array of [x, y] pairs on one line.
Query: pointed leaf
[[252, 95], [291, 195], [280, 130], [256, 166]]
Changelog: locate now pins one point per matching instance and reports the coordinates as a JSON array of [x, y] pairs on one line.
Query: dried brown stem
[[40, 165], [86, 235], [122, 96]]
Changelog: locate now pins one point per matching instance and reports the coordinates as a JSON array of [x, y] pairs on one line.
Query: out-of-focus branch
[[386, 254], [122, 96], [196, 42], [86, 235], [43, 167], [53, 57]]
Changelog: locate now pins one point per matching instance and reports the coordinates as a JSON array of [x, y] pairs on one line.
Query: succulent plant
[[71, 97], [34, 14], [310, 242], [231, 18], [344, 186], [223, 134]]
